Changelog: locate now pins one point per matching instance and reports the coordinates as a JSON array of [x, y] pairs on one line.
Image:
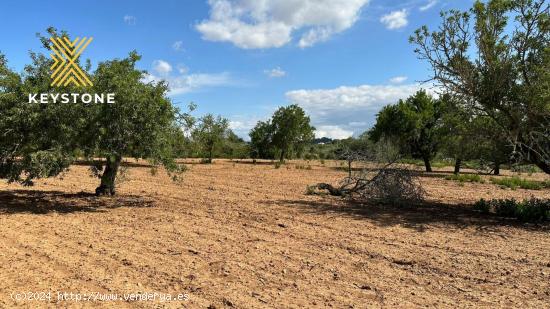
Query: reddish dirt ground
[[246, 236]]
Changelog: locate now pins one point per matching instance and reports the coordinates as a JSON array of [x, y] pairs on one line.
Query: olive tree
[[287, 132], [414, 124], [140, 124], [291, 130], [36, 140], [210, 134], [496, 59]]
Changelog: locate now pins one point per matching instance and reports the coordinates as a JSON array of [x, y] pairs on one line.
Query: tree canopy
[[288, 131], [41, 140], [415, 124], [495, 58], [210, 134]]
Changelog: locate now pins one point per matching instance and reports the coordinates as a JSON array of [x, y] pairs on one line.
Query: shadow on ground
[[419, 217], [43, 202]]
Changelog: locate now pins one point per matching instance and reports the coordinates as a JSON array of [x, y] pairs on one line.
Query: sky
[[340, 60]]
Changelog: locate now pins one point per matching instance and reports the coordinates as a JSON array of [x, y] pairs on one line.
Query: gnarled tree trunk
[[108, 178], [282, 157], [458, 164], [427, 163], [496, 171]]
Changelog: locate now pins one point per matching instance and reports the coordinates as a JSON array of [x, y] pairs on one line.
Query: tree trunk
[[210, 155], [543, 166], [537, 159], [497, 169], [349, 168], [108, 178], [427, 164], [458, 163], [282, 158]]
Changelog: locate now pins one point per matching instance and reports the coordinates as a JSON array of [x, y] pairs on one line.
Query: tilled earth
[[246, 236]]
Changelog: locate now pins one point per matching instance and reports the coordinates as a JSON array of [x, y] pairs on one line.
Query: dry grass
[[246, 235]]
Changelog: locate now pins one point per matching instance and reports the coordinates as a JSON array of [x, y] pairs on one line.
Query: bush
[[531, 210], [506, 208], [516, 182], [534, 210], [277, 165], [465, 178], [483, 206]]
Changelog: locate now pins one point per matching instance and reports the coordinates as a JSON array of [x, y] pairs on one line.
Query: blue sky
[[341, 60]]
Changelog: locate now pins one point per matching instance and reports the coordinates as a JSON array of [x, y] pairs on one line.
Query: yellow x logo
[[65, 69]]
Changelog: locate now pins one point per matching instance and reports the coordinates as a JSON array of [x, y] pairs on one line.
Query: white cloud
[[130, 20], [178, 46], [182, 69], [334, 132], [241, 125], [398, 79], [395, 19], [428, 5], [360, 97], [162, 67], [254, 24], [183, 82], [352, 109], [276, 72]]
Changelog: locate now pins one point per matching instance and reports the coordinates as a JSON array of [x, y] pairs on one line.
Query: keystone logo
[[65, 68]]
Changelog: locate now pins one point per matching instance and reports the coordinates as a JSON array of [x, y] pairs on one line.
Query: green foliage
[[414, 125], [517, 182], [234, 147], [41, 140], [260, 141], [483, 206], [287, 133], [494, 59], [36, 140], [528, 210], [505, 207], [533, 210], [465, 178], [210, 134], [140, 124]]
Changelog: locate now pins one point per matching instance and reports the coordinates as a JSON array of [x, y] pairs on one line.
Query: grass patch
[[517, 182], [462, 178]]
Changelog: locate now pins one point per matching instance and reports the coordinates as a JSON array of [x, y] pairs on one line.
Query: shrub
[[465, 178], [277, 165], [483, 206], [506, 208], [516, 182], [531, 210]]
